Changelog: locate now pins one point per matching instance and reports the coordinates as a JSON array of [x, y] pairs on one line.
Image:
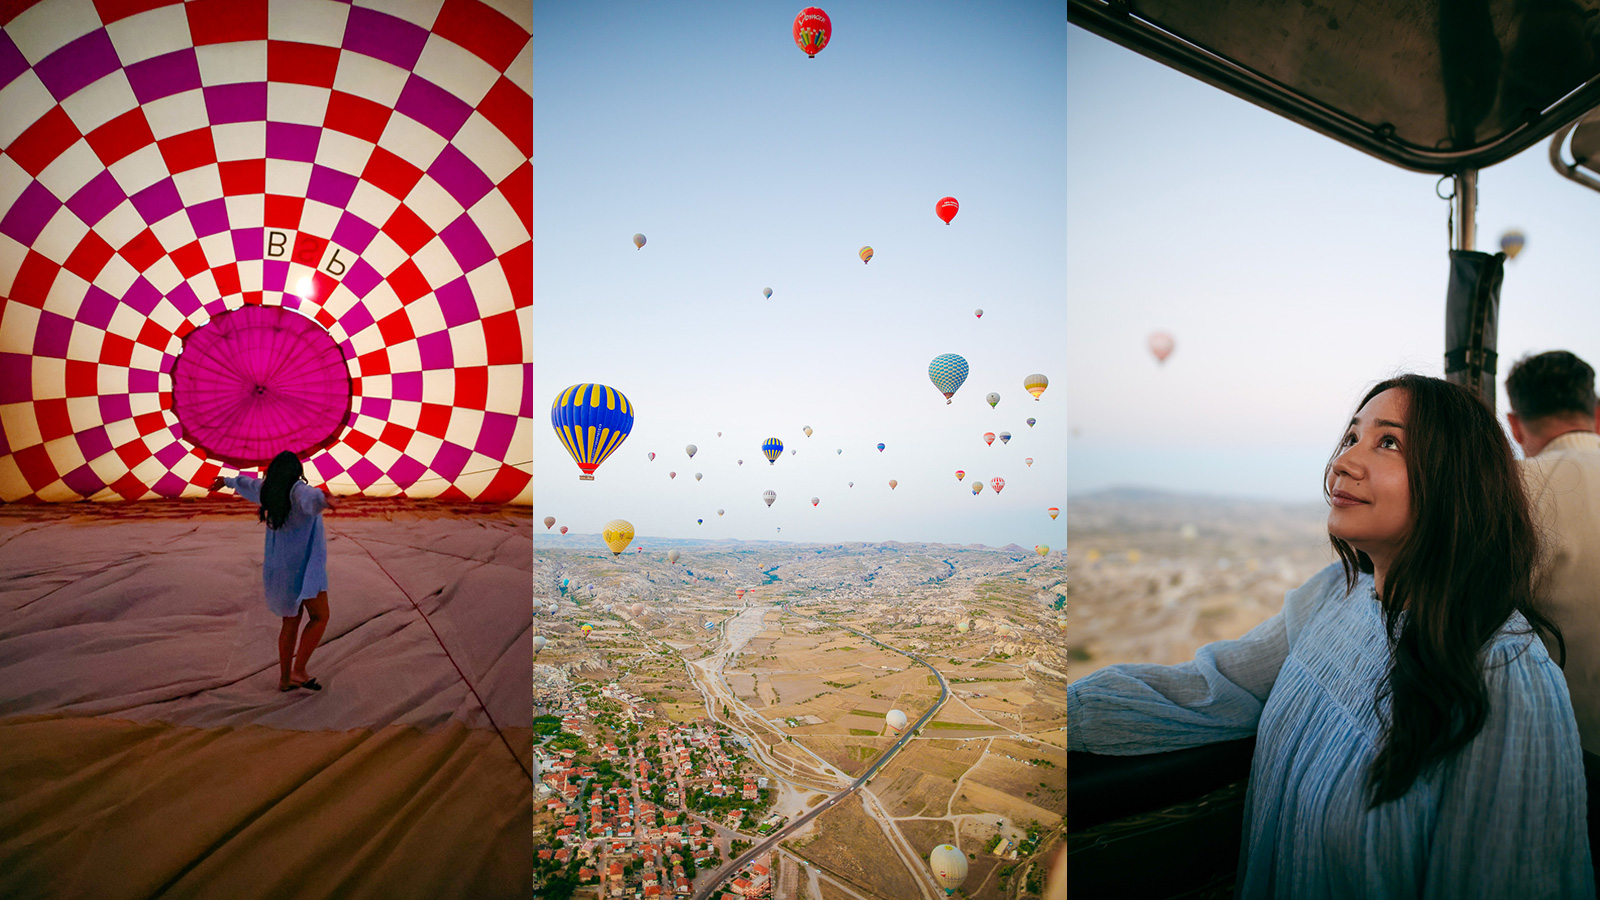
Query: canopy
[[1434, 87], [1585, 149]]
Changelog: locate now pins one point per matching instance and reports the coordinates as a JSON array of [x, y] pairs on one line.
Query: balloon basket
[[585, 477]]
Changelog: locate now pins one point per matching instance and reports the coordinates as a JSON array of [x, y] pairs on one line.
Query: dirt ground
[[926, 834], [842, 837], [918, 781]]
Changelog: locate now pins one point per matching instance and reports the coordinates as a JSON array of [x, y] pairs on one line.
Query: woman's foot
[[308, 683]]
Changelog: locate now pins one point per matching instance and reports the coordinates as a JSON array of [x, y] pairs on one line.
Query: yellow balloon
[[1035, 385], [866, 254], [618, 535], [1043, 549]]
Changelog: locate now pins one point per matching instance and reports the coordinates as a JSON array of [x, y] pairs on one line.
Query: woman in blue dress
[[1413, 736], [294, 568]]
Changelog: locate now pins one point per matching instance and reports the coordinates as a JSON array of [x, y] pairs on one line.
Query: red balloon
[[812, 30], [947, 208], [563, 529]]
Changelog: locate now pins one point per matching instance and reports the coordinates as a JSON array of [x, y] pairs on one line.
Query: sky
[[1293, 271], [748, 165]]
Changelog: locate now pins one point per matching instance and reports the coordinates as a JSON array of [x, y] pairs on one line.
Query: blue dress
[[295, 564], [1504, 818]]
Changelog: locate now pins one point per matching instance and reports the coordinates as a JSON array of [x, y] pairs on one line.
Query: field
[[919, 780], [838, 836], [925, 834]]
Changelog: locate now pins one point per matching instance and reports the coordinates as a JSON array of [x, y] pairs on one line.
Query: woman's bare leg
[[317, 610], [286, 638]]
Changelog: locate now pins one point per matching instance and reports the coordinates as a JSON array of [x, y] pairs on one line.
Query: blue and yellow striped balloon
[[591, 420], [948, 372], [772, 449]]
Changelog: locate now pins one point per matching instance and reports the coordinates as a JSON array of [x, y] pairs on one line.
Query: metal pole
[[1466, 183]]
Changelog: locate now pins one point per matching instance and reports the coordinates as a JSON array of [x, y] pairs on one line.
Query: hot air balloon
[[812, 30], [638, 241], [946, 208], [963, 627], [539, 643], [772, 449], [767, 292], [1061, 622], [591, 420], [699, 521], [880, 448], [997, 483], [618, 534], [672, 474], [637, 609], [896, 720], [994, 399], [1004, 628], [1161, 345], [988, 438], [719, 512], [1053, 511], [1042, 549], [1511, 242], [893, 484], [586, 629], [1029, 461], [978, 313], [807, 430], [866, 255], [549, 521], [741, 462], [851, 484], [949, 867], [839, 452], [1035, 385], [769, 496], [961, 474], [697, 476], [564, 583], [977, 487], [672, 556], [815, 501], [793, 451], [948, 372], [1031, 421], [739, 594], [1005, 437], [563, 529], [691, 450], [652, 457]]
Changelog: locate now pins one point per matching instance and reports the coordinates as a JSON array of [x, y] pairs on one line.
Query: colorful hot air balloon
[[672, 556], [1031, 421], [591, 420], [977, 487], [815, 501], [807, 430], [880, 448], [565, 582], [652, 457], [1029, 461], [586, 629], [978, 313], [1043, 549], [719, 512], [539, 643], [767, 292], [866, 255], [1005, 437], [672, 474], [691, 450], [548, 521], [839, 452], [741, 462], [699, 521], [948, 372], [739, 594], [896, 720], [988, 438], [563, 529], [769, 496], [963, 627], [893, 484], [1161, 345], [772, 449], [638, 241], [994, 399], [1511, 242], [851, 484], [961, 474], [618, 534], [637, 609], [1035, 384], [949, 867], [1061, 622], [997, 483], [812, 30], [946, 208], [697, 476], [1053, 511]]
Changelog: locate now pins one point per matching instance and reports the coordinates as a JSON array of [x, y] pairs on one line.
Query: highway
[[772, 840]]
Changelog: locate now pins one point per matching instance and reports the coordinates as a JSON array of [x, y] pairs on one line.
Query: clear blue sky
[[748, 165], [1294, 272]]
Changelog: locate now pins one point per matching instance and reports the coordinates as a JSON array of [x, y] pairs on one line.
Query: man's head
[[1551, 394]]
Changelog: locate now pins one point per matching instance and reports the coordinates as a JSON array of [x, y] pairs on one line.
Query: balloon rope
[[446, 650]]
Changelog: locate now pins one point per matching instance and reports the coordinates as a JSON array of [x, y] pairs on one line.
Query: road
[[772, 840]]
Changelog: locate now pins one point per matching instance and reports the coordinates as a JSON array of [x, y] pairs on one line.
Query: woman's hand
[[218, 484]]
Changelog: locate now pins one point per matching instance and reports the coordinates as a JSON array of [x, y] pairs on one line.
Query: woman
[[1413, 736], [294, 568]]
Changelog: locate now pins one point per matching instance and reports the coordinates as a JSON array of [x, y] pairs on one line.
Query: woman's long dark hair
[[1466, 565], [282, 474]]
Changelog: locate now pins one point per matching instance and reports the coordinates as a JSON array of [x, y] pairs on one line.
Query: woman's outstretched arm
[[247, 486]]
